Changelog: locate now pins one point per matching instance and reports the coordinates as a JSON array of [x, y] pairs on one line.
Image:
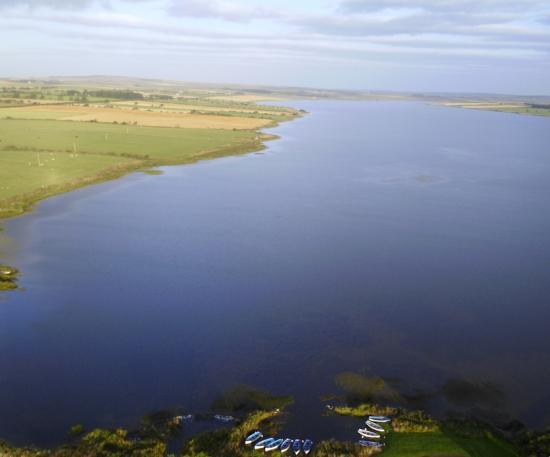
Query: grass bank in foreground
[[412, 434], [416, 434]]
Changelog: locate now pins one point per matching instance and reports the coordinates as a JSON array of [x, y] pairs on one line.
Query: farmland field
[[147, 117], [53, 140]]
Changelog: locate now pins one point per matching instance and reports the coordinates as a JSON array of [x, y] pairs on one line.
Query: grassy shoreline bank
[[411, 434], [55, 139], [21, 204]]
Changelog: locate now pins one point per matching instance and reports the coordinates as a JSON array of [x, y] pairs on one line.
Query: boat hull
[[368, 434], [262, 444], [376, 427], [380, 419]]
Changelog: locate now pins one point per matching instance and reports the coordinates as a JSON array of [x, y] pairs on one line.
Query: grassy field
[[145, 117], [165, 145], [416, 434], [39, 158], [436, 444], [28, 171], [57, 137]]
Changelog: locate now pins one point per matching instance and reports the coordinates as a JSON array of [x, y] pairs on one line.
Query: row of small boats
[[283, 445], [373, 431]]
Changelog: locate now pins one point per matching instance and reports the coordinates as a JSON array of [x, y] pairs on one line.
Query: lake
[[394, 239]]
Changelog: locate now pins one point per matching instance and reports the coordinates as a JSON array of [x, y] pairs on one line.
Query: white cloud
[[418, 34], [220, 9]]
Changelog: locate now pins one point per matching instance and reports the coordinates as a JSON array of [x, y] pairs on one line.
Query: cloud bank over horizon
[[497, 46]]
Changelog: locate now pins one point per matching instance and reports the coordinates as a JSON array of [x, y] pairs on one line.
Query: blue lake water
[[401, 240]]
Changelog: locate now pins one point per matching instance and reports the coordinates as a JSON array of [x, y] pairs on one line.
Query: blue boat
[[297, 446], [262, 444], [308, 446], [286, 445], [273, 445], [253, 437], [367, 443]]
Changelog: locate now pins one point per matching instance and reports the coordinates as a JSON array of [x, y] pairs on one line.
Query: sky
[[483, 46]]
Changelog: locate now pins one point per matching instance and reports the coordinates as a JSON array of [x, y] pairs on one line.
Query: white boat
[[253, 437], [274, 445], [366, 433], [262, 444], [287, 444], [380, 419], [376, 427]]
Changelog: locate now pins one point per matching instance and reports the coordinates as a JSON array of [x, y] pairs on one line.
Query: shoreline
[[28, 202], [409, 433]]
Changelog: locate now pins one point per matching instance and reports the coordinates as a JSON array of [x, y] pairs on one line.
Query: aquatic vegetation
[[534, 443], [77, 430], [161, 425], [8, 277], [245, 398], [361, 388], [463, 392], [229, 442], [154, 172]]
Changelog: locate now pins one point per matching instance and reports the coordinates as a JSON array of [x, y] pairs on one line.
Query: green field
[[30, 171], [433, 444], [166, 145], [59, 135], [39, 158]]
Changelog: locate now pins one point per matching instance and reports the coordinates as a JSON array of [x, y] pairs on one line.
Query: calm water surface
[[400, 240]]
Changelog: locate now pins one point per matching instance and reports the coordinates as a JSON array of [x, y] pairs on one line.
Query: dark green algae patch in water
[[8, 277]]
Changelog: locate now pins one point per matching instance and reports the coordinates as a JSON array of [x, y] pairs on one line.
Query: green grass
[[162, 145], [423, 445], [416, 434], [40, 158], [526, 110], [432, 444], [28, 171]]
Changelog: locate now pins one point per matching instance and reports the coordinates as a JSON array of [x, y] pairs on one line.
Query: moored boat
[[367, 443], [274, 445], [262, 444], [380, 419], [366, 433], [253, 437], [286, 445], [308, 446], [297, 446], [376, 427]]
